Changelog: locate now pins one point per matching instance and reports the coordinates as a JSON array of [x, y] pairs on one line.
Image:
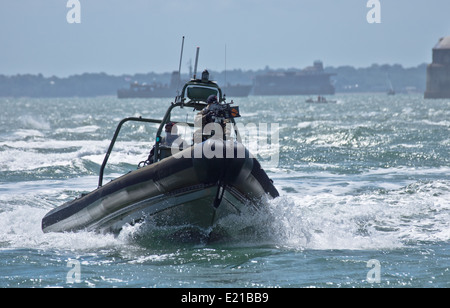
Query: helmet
[[211, 99], [169, 126]]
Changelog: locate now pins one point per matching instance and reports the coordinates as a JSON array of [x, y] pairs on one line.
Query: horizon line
[[266, 68]]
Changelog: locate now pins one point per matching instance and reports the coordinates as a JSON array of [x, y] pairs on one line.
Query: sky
[[140, 36]]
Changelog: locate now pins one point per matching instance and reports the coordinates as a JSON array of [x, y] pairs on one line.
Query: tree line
[[346, 79]]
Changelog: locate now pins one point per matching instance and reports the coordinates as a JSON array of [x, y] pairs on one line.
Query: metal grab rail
[[194, 104], [116, 134], [113, 141]]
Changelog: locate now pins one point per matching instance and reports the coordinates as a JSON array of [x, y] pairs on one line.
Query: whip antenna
[[196, 62], [181, 55], [179, 67]]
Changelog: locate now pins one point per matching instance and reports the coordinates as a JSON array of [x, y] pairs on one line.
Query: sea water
[[364, 197]]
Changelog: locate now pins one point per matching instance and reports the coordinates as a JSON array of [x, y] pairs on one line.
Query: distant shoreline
[[348, 79]]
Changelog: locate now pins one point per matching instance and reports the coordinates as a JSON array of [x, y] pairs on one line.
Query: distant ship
[[310, 81], [237, 90], [143, 90], [156, 90]]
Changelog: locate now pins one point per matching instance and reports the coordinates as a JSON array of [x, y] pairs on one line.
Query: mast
[[391, 90]]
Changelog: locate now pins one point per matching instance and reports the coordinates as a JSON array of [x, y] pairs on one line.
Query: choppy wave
[[418, 212], [360, 175], [380, 219]]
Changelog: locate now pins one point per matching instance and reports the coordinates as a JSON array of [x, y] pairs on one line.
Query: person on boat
[[171, 134], [203, 118], [167, 141], [211, 99], [207, 111]]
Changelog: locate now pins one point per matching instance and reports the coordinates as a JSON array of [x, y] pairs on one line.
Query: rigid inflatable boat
[[176, 186]]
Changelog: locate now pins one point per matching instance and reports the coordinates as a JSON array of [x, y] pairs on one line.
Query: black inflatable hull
[[176, 191]]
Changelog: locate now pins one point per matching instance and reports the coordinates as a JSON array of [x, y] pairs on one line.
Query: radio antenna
[[196, 63], [181, 55], [179, 67]]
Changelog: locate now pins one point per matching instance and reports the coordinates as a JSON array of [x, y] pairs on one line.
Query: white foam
[[372, 220], [417, 212], [34, 122], [79, 130], [29, 155], [21, 228]]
